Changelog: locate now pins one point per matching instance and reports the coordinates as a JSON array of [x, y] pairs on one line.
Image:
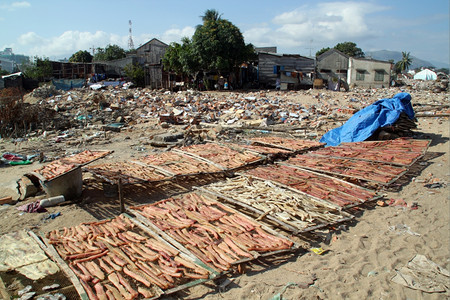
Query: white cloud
[[15, 5], [176, 34], [325, 23], [67, 43]]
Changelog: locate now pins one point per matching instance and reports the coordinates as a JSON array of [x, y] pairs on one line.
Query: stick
[[122, 204]]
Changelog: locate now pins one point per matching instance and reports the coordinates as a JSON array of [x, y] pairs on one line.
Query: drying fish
[[292, 208], [54, 169], [320, 186], [365, 170], [179, 164], [399, 151], [216, 234], [129, 172], [84, 157], [221, 155]]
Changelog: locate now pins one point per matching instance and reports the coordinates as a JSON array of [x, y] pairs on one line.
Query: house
[[291, 70], [150, 55], [335, 66]]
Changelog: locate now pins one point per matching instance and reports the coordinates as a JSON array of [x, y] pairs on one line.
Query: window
[[360, 75], [379, 75]]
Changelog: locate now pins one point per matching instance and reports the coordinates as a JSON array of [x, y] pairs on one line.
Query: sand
[[360, 259]]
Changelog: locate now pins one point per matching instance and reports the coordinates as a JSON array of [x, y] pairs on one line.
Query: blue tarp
[[68, 84], [365, 122]]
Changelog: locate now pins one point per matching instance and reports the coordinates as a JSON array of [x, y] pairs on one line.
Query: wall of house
[[152, 54], [267, 62], [369, 68], [331, 66], [116, 68]]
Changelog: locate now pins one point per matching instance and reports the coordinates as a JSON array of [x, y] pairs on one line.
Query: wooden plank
[[52, 253], [200, 158]]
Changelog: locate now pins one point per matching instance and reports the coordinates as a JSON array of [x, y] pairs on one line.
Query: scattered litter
[[436, 185], [402, 204], [52, 201], [52, 216], [318, 251], [279, 295], [372, 274], [32, 207], [402, 229], [420, 273], [224, 284]]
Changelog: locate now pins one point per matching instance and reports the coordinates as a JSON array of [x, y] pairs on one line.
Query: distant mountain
[[386, 55]]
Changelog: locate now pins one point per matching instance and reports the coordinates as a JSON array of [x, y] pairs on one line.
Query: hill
[[386, 55]]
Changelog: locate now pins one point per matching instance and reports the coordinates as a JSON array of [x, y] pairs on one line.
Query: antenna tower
[[130, 38]]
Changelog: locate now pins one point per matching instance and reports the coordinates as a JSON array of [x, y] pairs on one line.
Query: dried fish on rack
[[85, 157], [399, 151], [216, 234], [130, 173], [264, 150], [297, 210], [381, 173], [123, 257], [321, 186], [179, 164], [286, 143], [221, 155], [54, 169]]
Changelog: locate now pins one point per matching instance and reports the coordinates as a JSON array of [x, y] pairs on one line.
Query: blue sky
[[59, 28]]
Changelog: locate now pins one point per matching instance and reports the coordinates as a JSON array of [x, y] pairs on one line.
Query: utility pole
[[93, 50]]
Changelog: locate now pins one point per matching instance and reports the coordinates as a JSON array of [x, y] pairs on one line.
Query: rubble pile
[[436, 86], [82, 116]]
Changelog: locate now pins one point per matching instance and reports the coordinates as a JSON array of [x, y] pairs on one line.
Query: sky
[[59, 28]]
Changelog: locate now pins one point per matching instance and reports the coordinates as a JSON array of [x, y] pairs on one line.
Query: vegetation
[[322, 51], [3, 72], [403, 64], [110, 52], [41, 69], [217, 45], [136, 73], [81, 56], [348, 48]]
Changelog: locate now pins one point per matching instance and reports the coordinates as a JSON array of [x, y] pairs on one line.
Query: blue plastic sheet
[[68, 84], [364, 123]]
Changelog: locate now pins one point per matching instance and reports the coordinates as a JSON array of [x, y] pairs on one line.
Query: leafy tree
[[3, 72], [81, 56], [211, 15], [136, 73], [110, 52], [41, 69], [404, 63], [322, 51], [350, 49], [218, 44]]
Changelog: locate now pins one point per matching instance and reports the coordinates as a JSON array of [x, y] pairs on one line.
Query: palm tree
[[405, 62], [211, 15]]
